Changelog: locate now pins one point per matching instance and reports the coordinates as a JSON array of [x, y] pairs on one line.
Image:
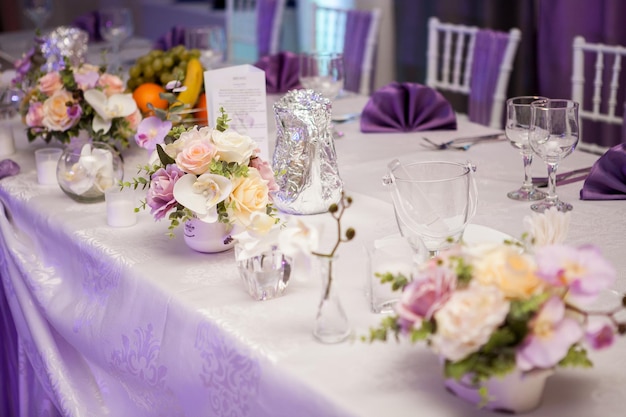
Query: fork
[[470, 142]]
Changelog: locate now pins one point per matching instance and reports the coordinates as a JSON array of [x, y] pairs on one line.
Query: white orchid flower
[[202, 194], [108, 108], [251, 243], [298, 239], [548, 228], [94, 168]]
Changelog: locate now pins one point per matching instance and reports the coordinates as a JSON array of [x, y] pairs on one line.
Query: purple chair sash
[[281, 72], [607, 179], [358, 24], [407, 107], [265, 11], [90, 23], [489, 51], [174, 36]]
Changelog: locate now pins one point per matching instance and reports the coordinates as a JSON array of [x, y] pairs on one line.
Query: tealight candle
[[47, 160], [120, 205], [7, 141]]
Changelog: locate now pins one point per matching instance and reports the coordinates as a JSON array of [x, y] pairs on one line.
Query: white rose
[[549, 227], [467, 320], [234, 147]]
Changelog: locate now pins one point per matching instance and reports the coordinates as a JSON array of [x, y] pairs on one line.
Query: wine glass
[[38, 11], [116, 25], [553, 136], [516, 129], [322, 72], [210, 41]]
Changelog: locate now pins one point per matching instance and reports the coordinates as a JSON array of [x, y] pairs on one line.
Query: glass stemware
[[516, 129], [116, 25], [210, 41], [553, 136], [322, 72], [38, 11]]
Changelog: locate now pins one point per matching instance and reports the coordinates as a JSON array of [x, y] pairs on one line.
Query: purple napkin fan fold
[[407, 107], [281, 72], [607, 179], [173, 37], [90, 23]]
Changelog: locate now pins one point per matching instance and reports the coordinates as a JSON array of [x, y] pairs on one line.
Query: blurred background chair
[[603, 64], [334, 28], [253, 29], [473, 62]]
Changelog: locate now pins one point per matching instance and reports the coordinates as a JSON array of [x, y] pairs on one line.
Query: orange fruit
[[201, 110], [149, 93]]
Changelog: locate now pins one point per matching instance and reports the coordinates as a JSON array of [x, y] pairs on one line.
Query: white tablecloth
[[128, 322]]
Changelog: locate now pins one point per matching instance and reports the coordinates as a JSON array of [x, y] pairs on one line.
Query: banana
[[194, 79]]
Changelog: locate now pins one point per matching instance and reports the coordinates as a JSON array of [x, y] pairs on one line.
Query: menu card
[[240, 90]]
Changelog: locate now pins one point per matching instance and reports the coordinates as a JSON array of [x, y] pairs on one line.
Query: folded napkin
[[8, 168], [174, 36], [407, 107], [281, 72], [90, 23], [607, 179]]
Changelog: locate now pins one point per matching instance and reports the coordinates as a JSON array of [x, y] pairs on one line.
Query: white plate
[[476, 233]]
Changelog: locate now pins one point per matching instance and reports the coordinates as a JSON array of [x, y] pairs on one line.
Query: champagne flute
[[322, 72], [38, 11], [553, 136], [516, 129], [116, 25]]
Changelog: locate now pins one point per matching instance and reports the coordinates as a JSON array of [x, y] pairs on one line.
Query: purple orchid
[[600, 337], [582, 269], [551, 335], [151, 132]]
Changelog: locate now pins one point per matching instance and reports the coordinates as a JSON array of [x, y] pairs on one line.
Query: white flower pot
[[516, 392], [208, 237]]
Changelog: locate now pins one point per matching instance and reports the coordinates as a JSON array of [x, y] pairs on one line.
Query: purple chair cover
[[265, 10], [488, 55], [174, 36], [8, 168], [355, 42], [407, 107], [607, 179], [90, 23], [281, 72]]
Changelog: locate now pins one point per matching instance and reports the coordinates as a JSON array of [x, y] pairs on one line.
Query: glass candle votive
[[265, 275], [46, 160], [120, 205]]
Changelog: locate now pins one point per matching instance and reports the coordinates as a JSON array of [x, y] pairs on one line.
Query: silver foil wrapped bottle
[[305, 161]]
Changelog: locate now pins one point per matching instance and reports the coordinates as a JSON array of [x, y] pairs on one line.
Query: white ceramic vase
[[208, 237], [516, 392]]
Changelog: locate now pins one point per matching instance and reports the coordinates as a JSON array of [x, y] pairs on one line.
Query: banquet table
[[131, 322]]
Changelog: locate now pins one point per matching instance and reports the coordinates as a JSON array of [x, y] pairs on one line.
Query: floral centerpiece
[[491, 309], [212, 174], [74, 101]]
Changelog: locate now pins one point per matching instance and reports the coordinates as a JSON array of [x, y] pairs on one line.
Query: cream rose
[[55, 112], [111, 84], [249, 195], [50, 83], [233, 147], [467, 320], [509, 269]]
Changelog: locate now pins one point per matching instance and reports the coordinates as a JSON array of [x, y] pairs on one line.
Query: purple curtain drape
[[488, 55], [265, 10], [358, 24], [597, 21]]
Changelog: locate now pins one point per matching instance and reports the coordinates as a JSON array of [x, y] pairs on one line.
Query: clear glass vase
[[331, 322]]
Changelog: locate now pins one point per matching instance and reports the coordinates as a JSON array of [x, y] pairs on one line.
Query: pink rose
[[134, 120], [50, 83], [196, 156], [422, 297], [160, 195], [266, 172], [34, 117], [111, 84], [57, 115]]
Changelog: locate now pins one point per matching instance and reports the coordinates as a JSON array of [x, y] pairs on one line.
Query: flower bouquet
[[492, 310], [75, 100], [213, 175]]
